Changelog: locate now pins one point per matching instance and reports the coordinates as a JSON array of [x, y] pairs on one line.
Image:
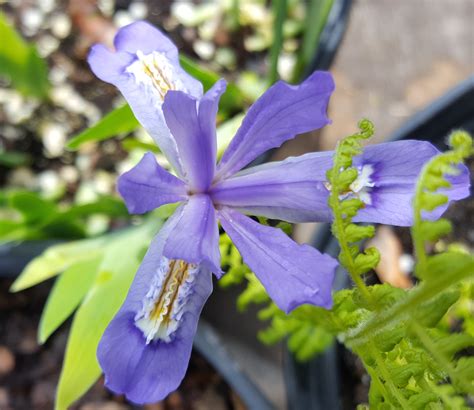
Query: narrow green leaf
[[231, 101], [12, 159], [130, 144], [115, 274], [56, 259], [32, 207], [20, 62], [66, 296], [118, 121], [107, 205], [279, 8]]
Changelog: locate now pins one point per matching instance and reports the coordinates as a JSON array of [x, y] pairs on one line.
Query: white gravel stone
[[406, 263], [32, 19], [54, 138], [46, 45], [69, 174], [49, 183], [46, 6], [60, 25], [204, 49], [138, 10], [123, 18]]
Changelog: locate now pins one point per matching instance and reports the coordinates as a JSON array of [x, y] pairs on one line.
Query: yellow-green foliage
[[403, 337]]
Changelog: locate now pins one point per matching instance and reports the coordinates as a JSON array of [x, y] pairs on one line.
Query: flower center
[[156, 73], [164, 303], [362, 185]]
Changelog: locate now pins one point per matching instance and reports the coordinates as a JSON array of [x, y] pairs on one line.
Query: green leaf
[[355, 233], [66, 295], [231, 101], [21, 63], [56, 259], [119, 121], [32, 206], [316, 17], [460, 269], [12, 159], [115, 274], [254, 293], [279, 9], [107, 205], [129, 144], [433, 230]]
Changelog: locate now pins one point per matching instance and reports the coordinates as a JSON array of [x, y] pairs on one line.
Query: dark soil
[[29, 372]]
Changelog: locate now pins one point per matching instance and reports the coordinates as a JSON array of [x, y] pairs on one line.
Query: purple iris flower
[[145, 350]]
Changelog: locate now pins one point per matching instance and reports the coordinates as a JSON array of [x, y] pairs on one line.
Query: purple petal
[[281, 113], [142, 36], [396, 167], [148, 186], [292, 274], [137, 44], [147, 373], [193, 125], [292, 190], [195, 237]]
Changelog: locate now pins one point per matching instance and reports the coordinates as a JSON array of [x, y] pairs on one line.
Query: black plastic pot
[[331, 37], [14, 256], [318, 384]]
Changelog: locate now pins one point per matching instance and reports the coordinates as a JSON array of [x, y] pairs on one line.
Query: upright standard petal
[[193, 125], [148, 186], [281, 113], [388, 174], [144, 68], [292, 190], [195, 238], [292, 274], [145, 350]]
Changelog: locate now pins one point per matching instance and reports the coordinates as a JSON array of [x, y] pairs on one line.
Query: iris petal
[[396, 167], [291, 190], [148, 372], [195, 238], [195, 133], [143, 68], [148, 186], [281, 113], [292, 274]]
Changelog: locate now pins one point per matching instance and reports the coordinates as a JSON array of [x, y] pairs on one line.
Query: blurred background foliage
[[66, 136]]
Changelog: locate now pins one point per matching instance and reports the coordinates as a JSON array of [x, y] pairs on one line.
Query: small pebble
[[22, 178], [60, 25], [7, 361], [69, 174], [32, 19], [107, 7], [54, 138], [122, 18], [47, 6], [50, 183], [46, 45], [138, 10], [406, 263], [204, 49]]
